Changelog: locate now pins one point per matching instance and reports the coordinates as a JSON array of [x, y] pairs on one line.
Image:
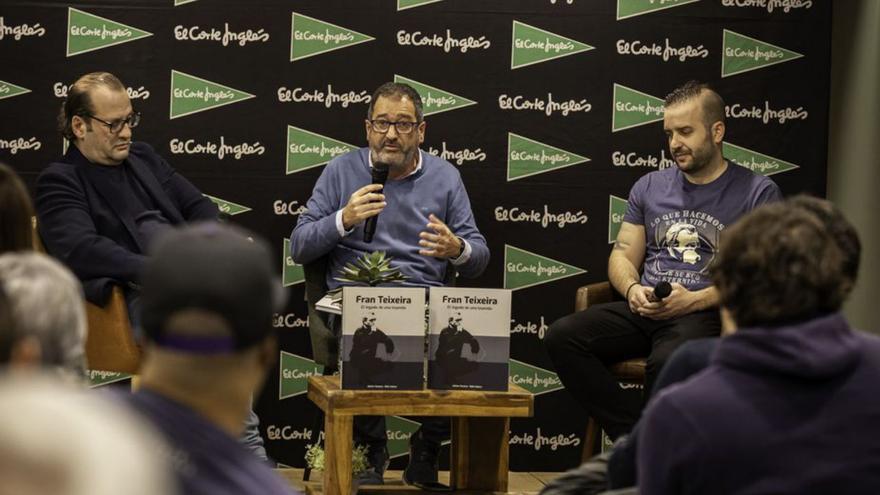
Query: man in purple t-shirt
[[670, 233]]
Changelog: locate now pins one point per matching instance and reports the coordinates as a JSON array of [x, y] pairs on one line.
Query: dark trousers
[[583, 345], [370, 430]]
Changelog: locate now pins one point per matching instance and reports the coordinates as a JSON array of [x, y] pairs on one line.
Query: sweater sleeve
[[460, 220], [315, 232]]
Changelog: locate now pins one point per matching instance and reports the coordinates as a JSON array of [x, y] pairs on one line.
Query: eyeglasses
[[401, 126], [116, 126]]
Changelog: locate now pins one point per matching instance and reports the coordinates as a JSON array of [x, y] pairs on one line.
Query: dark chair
[[629, 371]]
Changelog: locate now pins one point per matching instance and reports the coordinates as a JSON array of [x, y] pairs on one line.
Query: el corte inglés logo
[[632, 8], [633, 108], [191, 94], [8, 90], [525, 269], [411, 4], [742, 53], [294, 372], [292, 273], [310, 37], [616, 211], [87, 32], [435, 100], [534, 379], [306, 149], [228, 207], [756, 162], [526, 157], [533, 45]]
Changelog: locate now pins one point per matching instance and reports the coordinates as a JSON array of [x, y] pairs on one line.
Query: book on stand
[[383, 338], [468, 339]]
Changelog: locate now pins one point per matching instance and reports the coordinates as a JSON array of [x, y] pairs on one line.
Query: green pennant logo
[[306, 149], [526, 157], [633, 108], [228, 207], [310, 37], [293, 375], [756, 162], [534, 379], [616, 211], [411, 4], [8, 90], [88, 32], [399, 430], [191, 94], [435, 100], [183, 2], [532, 45], [632, 8], [742, 54], [99, 378], [525, 269], [293, 273]]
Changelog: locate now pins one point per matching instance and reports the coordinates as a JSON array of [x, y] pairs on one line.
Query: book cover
[[383, 338], [468, 339]]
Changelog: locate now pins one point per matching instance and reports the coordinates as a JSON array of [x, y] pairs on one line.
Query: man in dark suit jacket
[[103, 202]]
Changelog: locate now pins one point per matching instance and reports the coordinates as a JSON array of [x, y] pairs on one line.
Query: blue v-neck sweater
[[435, 188]]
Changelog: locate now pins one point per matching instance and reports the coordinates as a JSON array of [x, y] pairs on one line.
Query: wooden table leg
[[337, 454], [479, 454]]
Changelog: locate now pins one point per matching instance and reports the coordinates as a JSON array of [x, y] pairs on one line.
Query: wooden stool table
[[480, 428]]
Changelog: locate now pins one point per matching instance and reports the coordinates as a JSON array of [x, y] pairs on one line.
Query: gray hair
[[47, 304]]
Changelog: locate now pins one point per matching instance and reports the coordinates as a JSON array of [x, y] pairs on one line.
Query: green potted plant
[[359, 464], [371, 269]]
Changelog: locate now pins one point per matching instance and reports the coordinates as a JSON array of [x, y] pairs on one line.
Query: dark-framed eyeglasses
[[116, 126], [401, 126]]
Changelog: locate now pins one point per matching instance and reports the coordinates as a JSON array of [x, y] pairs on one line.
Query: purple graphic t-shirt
[[684, 221]]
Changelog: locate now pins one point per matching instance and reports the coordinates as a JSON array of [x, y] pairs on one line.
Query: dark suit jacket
[[81, 219]]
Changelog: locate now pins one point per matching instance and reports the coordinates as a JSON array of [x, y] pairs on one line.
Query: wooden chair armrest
[[592, 294]]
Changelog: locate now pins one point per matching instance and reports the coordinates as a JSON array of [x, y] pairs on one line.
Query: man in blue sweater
[[426, 225]]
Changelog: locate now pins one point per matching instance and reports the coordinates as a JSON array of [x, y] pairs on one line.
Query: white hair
[[47, 304], [66, 440]]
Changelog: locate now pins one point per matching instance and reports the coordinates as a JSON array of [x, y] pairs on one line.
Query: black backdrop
[[284, 75]]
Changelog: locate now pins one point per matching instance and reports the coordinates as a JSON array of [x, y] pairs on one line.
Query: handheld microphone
[[662, 290], [379, 173]]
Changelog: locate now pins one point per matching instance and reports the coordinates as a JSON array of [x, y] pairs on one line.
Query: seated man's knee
[[559, 334]]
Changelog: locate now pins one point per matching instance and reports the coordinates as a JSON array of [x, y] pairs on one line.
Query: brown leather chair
[[629, 371], [110, 345]]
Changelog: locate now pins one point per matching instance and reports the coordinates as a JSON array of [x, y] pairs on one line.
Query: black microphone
[[662, 290], [380, 175]]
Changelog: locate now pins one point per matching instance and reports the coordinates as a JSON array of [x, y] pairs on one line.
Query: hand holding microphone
[[379, 174], [661, 290], [366, 202]]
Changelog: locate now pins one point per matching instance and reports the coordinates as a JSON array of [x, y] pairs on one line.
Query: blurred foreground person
[[63, 440], [47, 320], [209, 293], [788, 403]]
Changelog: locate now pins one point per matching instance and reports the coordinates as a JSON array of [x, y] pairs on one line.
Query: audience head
[[65, 440], [48, 321], [786, 262], [16, 213], [209, 294]]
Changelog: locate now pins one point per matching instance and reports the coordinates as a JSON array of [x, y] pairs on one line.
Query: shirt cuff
[[339, 227], [465, 254]]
